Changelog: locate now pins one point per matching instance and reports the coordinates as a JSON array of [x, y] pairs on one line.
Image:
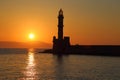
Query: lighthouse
[[61, 43]]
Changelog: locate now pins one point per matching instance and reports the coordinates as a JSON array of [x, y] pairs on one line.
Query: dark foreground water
[[23, 64]]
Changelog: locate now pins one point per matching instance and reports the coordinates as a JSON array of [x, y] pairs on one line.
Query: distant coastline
[[33, 44]]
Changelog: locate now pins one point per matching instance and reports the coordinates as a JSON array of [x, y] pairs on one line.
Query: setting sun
[[31, 36]]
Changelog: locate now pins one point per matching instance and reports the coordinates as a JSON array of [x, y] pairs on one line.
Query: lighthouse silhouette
[[61, 43]]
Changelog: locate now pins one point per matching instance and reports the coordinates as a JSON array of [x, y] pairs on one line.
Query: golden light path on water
[[30, 68]]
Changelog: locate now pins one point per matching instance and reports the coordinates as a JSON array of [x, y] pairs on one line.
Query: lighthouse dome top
[[61, 12]]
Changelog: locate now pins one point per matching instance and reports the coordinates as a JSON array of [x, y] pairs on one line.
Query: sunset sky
[[87, 22]]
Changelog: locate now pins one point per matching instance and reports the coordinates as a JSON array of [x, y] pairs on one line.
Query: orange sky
[[86, 21]]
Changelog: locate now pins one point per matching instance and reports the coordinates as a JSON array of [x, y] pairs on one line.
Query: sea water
[[28, 64]]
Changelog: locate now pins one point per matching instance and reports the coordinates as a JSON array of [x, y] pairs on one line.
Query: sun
[[31, 36]]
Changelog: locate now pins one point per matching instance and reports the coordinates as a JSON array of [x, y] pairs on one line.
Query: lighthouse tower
[[60, 25], [62, 43]]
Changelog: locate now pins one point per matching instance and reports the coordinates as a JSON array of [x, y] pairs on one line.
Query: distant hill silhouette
[[35, 44]]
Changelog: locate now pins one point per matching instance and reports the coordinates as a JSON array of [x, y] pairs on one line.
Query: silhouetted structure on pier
[[60, 44]]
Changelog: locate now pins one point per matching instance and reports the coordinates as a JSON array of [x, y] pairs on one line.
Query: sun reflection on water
[[30, 68]]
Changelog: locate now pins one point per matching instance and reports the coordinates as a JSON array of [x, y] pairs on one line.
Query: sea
[[29, 64]]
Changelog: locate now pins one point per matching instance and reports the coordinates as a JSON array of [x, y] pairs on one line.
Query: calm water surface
[[23, 64]]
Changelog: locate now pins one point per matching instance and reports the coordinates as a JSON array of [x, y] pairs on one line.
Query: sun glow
[[31, 36]]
